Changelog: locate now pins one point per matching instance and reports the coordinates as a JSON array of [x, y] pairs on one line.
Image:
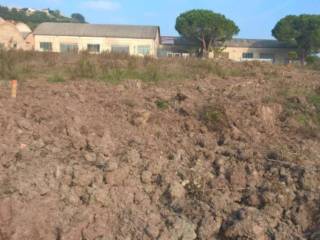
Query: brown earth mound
[[232, 158]]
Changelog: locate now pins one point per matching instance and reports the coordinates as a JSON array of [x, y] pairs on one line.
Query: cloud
[[103, 5]]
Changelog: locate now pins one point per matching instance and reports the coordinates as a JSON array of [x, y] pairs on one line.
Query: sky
[[255, 18]]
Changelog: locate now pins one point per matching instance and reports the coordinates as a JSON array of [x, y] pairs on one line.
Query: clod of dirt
[[210, 227], [146, 177], [249, 225], [90, 157], [140, 118], [177, 191], [183, 229]]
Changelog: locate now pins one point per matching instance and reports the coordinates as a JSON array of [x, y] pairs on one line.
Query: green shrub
[[293, 55], [162, 104], [56, 79], [8, 62], [215, 117], [312, 60], [84, 68], [115, 75], [151, 74]]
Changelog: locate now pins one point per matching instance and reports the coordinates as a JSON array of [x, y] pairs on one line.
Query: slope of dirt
[[203, 159]]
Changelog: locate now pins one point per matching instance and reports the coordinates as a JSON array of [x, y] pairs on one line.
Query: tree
[[303, 31], [78, 17], [206, 28]]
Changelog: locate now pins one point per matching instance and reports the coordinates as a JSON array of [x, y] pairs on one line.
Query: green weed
[[56, 79], [162, 104]]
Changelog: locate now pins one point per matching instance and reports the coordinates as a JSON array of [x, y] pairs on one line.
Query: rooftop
[[97, 30], [236, 42]]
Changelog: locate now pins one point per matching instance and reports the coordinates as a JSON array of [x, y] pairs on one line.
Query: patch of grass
[[7, 65], [84, 68], [214, 116], [315, 100], [56, 79], [162, 104], [114, 76], [303, 119]]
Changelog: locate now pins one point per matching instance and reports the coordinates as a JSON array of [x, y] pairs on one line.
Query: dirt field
[[214, 157]]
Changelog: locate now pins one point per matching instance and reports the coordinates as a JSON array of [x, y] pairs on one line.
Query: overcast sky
[[255, 18]]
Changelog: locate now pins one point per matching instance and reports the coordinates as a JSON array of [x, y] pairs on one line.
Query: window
[[46, 46], [144, 50], [247, 55], [93, 48], [68, 47], [266, 56], [120, 49]]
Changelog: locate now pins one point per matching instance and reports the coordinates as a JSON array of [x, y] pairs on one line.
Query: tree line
[[37, 17], [210, 30]]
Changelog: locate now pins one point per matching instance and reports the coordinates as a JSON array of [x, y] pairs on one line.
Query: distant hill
[[34, 17]]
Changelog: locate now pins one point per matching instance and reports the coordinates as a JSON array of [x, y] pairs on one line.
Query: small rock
[[154, 225], [148, 189], [24, 123], [210, 227], [237, 177], [146, 177], [133, 157], [101, 196], [141, 118], [183, 230], [302, 217], [177, 191], [152, 231], [236, 133], [117, 177], [112, 165], [90, 157], [310, 181], [249, 226]]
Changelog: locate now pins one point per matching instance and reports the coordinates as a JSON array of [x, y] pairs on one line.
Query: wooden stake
[[14, 85]]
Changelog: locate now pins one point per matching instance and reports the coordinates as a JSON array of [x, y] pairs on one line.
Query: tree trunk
[[204, 53], [302, 58]]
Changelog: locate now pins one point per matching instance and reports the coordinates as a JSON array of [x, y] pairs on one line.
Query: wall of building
[[236, 53], [105, 43], [280, 55], [10, 37], [29, 42]]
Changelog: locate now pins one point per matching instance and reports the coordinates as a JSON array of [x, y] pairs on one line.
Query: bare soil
[[210, 158]]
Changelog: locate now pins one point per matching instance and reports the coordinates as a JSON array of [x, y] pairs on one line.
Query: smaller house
[[258, 50], [15, 35], [235, 49]]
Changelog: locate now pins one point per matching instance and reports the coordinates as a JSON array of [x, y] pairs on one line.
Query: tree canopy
[[302, 31], [78, 17], [206, 28], [35, 18]]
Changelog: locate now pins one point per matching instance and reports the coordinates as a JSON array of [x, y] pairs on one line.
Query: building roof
[[23, 28], [97, 30], [236, 42], [257, 43], [169, 40]]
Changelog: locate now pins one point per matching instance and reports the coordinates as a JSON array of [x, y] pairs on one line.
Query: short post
[[14, 85]]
